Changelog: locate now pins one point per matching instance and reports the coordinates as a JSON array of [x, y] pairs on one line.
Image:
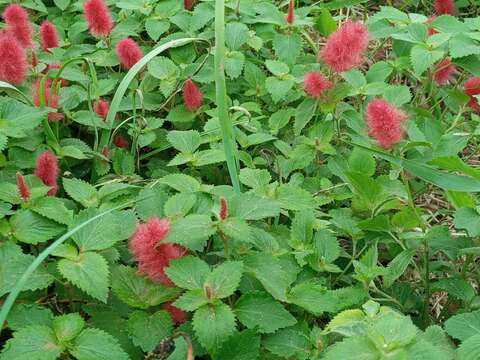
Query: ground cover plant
[[239, 179]]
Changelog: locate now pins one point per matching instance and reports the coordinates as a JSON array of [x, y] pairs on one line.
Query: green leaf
[[181, 182], [317, 300], [277, 68], [191, 300], [236, 34], [89, 272], [303, 114], [456, 287], [287, 47], [252, 207], [469, 349], [54, 209], [81, 191], [278, 88], [213, 325], [147, 330], [191, 231], [397, 267], [353, 348], [224, 279], [287, 343], [325, 23], [295, 198], [464, 326], [31, 228], [35, 342], [67, 327], [150, 203], [462, 45], [398, 94], [95, 344], [184, 141], [155, 28], [105, 231], [468, 219], [268, 270], [260, 311], [188, 272], [23, 315], [138, 291], [423, 58], [179, 205], [241, 346], [13, 263]]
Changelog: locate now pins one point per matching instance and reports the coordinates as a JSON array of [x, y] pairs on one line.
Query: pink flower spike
[[128, 52], [101, 107], [290, 18], [49, 36], [192, 96], [345, 48], [444, 72], [385, 122], [47, 170], [13, 60], [152, 254], [18, 24], [22, 187], [472, 88], [315, 84], [188, 4], [98, 17], [223, 208], [178, 316], [445, 7]]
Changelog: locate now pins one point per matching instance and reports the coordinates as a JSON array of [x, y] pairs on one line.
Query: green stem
[[221, 96]]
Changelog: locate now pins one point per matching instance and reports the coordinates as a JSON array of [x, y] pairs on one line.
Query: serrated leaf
[[54, 209], [241, 346], [353, 348], [179, 205], [213, 325], [287, 343], [469, 349], [67, 327], [468, 219], [89, 272], [13, 263], [236, 34], [95, 344], [147, 330], [191, 231], [81, 191], [252, 207], [150, 202], [397, 267], [138, 291], [224, 279], [184, 141], [181, 182], [191, 300], [188, 272], [105, 231], [260, 311], [464, 326], [268, 270], [23, 315], [423, 58], [303, 114], [456, 287], [35, 342], [287, 47], [295, 198], [31, 228]]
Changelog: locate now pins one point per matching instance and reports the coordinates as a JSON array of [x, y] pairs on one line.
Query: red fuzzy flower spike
[[101, 107], [13, 60], [291, 13], [178, 316], [385, 122], [223, 209], [49, 36], [47, 170], [471, 88], [345, 48], [18, 25], [315, 84], [192, 96], [188, 4], [121, 142], [444, 72], [431, 30], [34, 59], [445, 7], [152, 254], [128, 52], [22, 187], [98, 17]]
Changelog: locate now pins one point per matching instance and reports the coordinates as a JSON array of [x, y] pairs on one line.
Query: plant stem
[[221, 96]]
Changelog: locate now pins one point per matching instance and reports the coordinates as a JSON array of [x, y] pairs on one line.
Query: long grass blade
[[226, 125]]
